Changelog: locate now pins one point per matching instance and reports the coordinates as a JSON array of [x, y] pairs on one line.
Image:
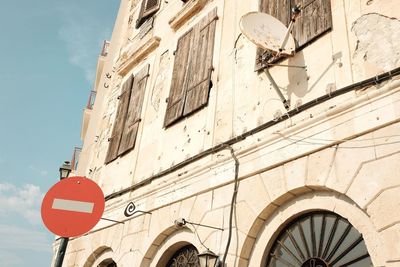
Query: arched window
[[319, 239], [185, 257], [107, 263]]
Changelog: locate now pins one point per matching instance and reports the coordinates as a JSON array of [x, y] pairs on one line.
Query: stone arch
[[274, 218], [102, 256], [166, 244]]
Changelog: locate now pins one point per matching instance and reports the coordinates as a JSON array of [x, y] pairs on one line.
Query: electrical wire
[[347, 139], [334, 142], [236, 179], [198, 237], [233, 80], [235, 46], [233, 203], [315, 143], [317, 101], [297, 141]]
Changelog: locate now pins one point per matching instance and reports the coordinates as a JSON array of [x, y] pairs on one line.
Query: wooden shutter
[[178, 83], [200, 66], [148, 8], [279, 9], [129, 134], [191, 76], [314, 20], [115, 138]]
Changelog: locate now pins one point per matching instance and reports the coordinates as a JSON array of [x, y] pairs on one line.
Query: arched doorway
[[101, 257], [107, 263], [184, 257], [319, 239]]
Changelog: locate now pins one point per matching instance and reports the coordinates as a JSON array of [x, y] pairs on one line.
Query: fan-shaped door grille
[[319, 239], [185, 257]]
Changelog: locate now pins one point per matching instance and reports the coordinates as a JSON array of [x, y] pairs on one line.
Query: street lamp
[[65, 170], [208, 259]]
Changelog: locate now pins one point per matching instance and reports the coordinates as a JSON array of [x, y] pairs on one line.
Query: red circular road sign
[[72, 206]]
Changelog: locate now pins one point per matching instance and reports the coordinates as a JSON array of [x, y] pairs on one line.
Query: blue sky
[[49, 52]]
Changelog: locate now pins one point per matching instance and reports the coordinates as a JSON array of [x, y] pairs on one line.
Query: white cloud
[[20, 205], [18, 238], [83, 37], [24, 201], [6, 187]]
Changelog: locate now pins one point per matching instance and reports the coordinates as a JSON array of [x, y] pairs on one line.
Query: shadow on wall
[[299, 78]]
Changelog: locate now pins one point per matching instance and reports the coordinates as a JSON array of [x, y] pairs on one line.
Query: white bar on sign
[[72, 205]]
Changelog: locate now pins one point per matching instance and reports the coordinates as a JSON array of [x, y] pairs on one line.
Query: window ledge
[[189, 9], [130, 61]]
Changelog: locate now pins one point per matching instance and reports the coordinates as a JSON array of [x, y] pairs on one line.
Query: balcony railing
[[92, 98], [75, 158], [104, 50]]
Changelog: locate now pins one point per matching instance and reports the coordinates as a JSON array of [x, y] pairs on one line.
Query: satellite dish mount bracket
[[286, 103]]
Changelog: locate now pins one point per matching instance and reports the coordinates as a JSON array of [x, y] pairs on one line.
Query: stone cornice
[[188, 10], [130, 61]]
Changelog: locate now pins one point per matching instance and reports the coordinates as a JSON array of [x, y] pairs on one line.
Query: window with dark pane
[[147, 9], [319, 239], [314, 20], [185, 257], [107, 263], [191, 76]]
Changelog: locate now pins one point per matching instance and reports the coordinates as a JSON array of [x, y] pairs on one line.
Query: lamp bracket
[[112, 220]]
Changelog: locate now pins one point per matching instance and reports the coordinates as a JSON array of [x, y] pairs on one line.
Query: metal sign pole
[[61, 252]]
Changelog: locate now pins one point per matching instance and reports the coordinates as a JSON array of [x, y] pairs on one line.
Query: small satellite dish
[[268, 33]]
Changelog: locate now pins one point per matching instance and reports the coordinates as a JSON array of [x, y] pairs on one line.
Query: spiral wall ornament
[[130, 210]]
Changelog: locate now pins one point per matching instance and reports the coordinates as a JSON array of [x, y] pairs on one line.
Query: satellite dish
[[268, 33]]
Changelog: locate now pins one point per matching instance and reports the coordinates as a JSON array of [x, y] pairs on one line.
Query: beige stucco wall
[[347, 162]]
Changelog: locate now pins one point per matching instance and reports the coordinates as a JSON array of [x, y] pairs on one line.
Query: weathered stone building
[[182, 122]]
